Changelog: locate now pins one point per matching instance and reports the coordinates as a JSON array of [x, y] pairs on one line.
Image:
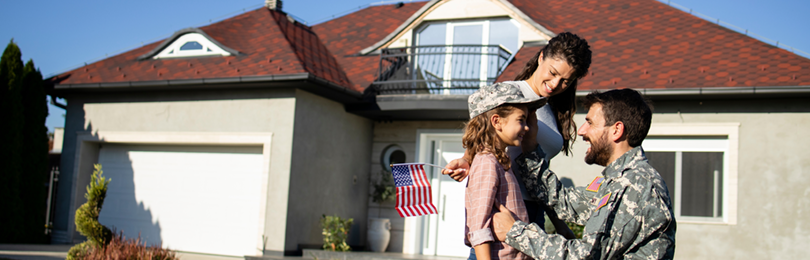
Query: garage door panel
[[190, 198]]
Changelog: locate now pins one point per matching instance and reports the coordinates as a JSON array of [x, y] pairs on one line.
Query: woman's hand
[[457, 169]]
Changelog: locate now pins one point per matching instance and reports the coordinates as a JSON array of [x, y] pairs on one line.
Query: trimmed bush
[[87, 216]]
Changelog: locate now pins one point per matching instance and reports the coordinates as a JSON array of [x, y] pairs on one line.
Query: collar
[[626, 161]]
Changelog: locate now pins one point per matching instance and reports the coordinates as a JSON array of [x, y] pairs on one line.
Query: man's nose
[[581, 131]]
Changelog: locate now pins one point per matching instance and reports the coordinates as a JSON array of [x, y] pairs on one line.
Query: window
[[190, 45], [460, 58], [392, 154], [699, 170]]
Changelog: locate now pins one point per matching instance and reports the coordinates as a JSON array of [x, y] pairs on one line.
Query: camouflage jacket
[[627, 212]]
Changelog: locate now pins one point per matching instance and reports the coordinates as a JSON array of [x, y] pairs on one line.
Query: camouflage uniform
[[628, 216]]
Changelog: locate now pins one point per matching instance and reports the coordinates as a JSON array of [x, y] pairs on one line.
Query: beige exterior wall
[[329, 171], [232, 112], [773, 188], [402, 133]]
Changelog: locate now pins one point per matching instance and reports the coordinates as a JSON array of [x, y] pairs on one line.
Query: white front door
[[443, 233]]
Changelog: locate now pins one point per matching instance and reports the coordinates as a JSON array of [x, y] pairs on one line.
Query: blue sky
[[60, 35]]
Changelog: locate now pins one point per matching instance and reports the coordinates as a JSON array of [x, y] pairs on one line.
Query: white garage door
[[189, 198]]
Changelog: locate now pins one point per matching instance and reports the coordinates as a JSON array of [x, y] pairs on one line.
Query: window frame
[[730, 160], [173, 49], [450, 26]]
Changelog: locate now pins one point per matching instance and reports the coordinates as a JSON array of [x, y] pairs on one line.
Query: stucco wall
[[329, 171], [773, 185], [402, 133], [255, 111]]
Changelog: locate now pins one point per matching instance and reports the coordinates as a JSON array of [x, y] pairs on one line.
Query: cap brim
[[535, 104]]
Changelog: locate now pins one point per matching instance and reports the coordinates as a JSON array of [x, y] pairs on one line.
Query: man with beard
[[626, 211]]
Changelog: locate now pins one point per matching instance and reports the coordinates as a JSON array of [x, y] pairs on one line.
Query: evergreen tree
[[24, 152], [11, 70], [34, 154]]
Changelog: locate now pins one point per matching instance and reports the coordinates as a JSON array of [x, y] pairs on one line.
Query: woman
[[552, 73]]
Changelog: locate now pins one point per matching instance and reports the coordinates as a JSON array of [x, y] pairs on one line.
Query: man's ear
[[495, 120], [617, 132]]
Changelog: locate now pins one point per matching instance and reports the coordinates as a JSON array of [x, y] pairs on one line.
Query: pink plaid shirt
[[488, 183]]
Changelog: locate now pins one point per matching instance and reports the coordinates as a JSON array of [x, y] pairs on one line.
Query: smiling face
[[512, 128], [551, 77], [595, 133]]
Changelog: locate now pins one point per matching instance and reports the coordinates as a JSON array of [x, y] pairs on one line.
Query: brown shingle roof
[[347, 35], [647, 44], [270, 43]]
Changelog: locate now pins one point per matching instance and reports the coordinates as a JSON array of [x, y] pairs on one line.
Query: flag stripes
[[414, 194]]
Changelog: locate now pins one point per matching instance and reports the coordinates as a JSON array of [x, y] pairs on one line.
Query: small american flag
[[414, 196]]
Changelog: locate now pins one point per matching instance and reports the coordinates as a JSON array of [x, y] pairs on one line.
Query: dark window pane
[[698, 175], [191, 46], [397, 156], [664, 163]]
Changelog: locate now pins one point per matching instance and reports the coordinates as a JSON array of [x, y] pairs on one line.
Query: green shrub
[[335, 232], [87, 216], [577, 229], [384, 189]]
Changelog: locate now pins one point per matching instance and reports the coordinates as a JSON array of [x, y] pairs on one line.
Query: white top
[[548, 137]]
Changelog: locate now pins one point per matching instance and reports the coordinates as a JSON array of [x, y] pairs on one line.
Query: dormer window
[[191, 45]]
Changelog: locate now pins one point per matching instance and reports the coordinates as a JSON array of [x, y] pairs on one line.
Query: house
[[234, 138]]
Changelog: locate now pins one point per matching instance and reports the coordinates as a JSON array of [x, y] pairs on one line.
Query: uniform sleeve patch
[[603, 201], [594, 186]]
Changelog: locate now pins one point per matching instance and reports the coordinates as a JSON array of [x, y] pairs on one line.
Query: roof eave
[[316, 85], [716, 91]]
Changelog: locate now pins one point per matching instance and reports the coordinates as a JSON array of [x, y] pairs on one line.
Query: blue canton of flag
[[414, 195]]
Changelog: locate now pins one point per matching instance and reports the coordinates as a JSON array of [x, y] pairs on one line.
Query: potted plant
[[379, 228]]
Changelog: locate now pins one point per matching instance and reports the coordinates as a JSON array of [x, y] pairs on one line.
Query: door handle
[[444, 206]]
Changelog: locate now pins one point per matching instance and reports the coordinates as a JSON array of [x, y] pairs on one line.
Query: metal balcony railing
[[439, 69]]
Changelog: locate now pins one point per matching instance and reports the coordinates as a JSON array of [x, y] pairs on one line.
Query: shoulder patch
[[603, 201], [594, 186]]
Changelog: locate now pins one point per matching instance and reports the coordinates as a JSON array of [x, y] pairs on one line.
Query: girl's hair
[[577, 53], [480, 135]]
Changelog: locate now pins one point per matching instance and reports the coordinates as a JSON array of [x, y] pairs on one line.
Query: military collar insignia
[[595, 184]]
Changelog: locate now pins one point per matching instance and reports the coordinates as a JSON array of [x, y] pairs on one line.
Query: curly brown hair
[[480, 135], [577, 53]]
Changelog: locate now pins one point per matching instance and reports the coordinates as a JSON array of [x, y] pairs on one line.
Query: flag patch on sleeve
[[603, 201], [594, 186]]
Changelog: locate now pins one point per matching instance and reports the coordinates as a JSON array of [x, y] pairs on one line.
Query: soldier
[[626, 212]]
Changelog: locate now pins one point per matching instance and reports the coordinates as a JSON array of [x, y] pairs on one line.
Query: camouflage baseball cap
[[497, 94]]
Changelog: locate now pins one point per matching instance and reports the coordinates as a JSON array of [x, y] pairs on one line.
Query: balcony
[[439, 69]]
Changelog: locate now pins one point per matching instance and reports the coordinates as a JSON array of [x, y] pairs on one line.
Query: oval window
[[392, 154]]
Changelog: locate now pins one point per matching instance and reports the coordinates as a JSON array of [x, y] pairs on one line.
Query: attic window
[[191, 45]]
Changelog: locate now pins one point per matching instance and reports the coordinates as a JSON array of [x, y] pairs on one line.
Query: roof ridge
[[284, 21]]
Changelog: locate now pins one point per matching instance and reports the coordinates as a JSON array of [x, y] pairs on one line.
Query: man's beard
[[600, 151]]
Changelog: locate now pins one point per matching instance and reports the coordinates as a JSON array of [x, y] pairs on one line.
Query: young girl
[[498, 119]]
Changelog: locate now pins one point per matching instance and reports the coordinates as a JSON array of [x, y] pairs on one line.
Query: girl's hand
[[457, 169]]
